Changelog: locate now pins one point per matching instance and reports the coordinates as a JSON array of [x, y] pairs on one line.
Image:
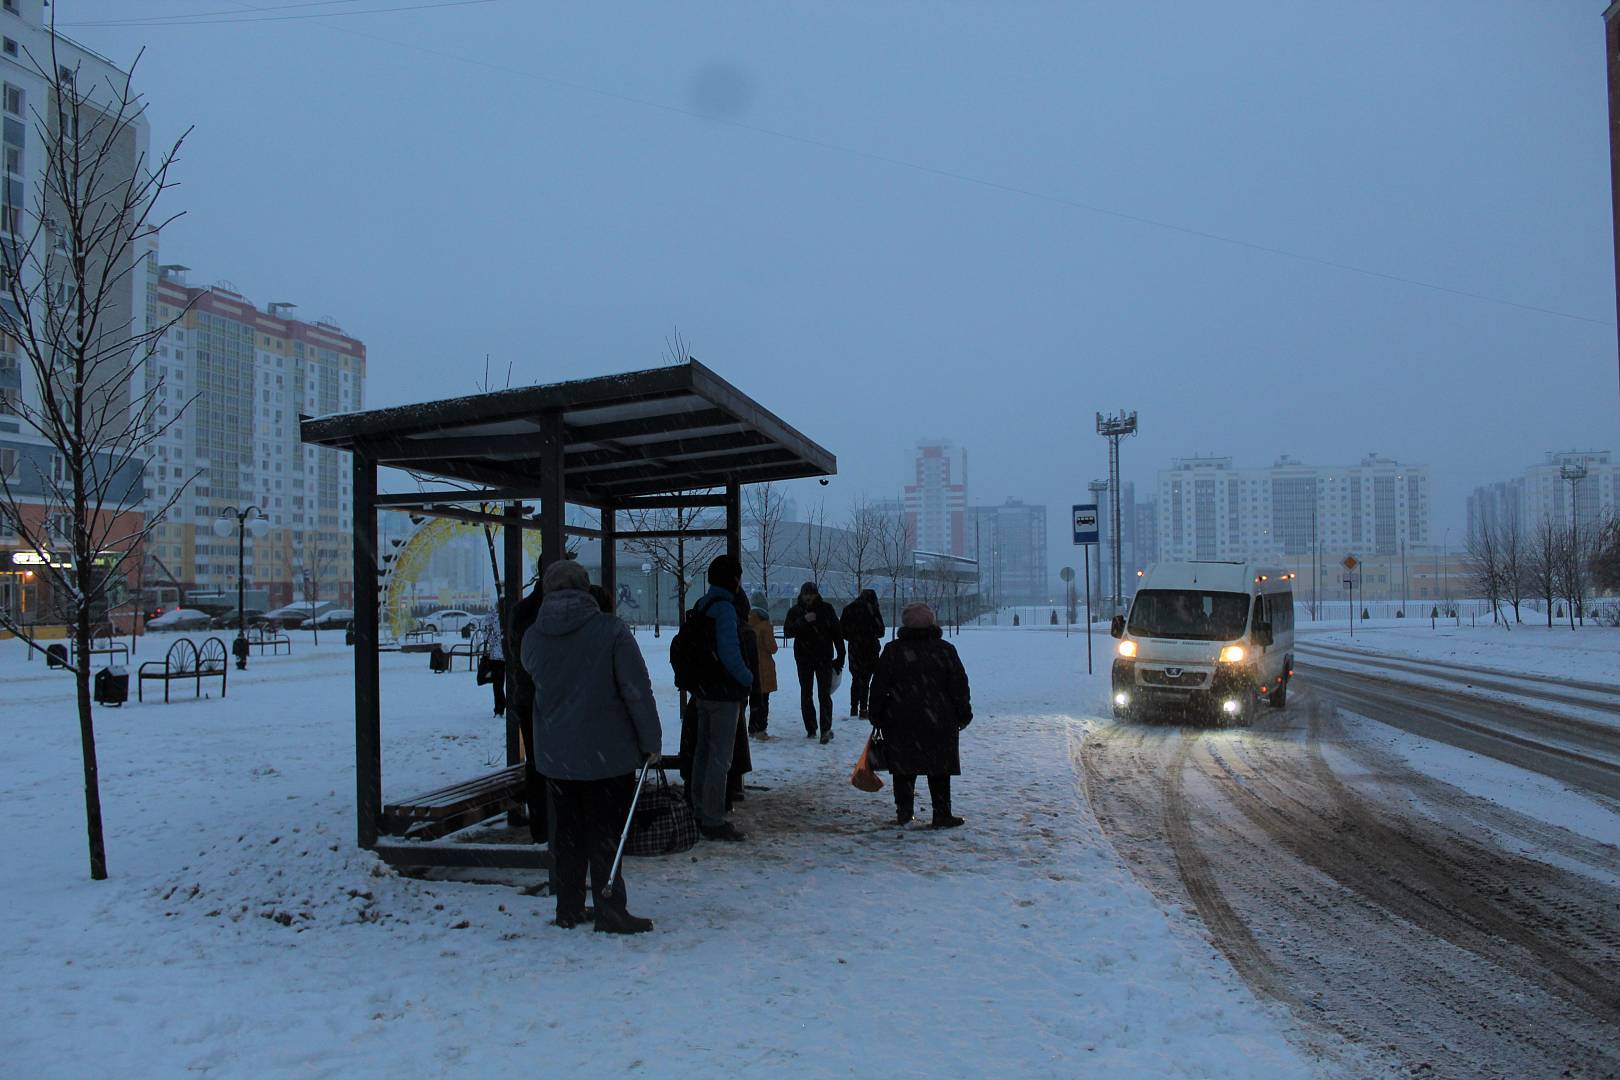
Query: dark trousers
[[939, 793], [587, 818], [815, 682], [860, 691], [759, 711], [497, 671]]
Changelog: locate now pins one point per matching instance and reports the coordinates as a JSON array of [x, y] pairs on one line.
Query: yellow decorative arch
[[411, 560]]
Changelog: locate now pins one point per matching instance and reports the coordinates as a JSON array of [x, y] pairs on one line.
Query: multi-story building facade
[[937, 499], [1579, 486], [1209, 510], [32, 468], [1009, 542], [243, 377]]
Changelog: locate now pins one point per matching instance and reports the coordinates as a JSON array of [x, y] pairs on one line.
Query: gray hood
[[563, 612]]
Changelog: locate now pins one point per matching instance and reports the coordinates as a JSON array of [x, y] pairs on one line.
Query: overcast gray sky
[[890, 221]]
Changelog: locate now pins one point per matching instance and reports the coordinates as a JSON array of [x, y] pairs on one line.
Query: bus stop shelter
[[675, 437]]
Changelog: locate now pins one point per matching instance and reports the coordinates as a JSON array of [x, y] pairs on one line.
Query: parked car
[[295, 614], [333, 619], [180, 619], [447, 621], [226, 620]]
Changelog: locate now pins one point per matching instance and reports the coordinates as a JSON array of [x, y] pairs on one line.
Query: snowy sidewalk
[[243, 933]]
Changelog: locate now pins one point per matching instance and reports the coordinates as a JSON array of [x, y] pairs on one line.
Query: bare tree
[[859, 549], [1485, 566], [1572, 574], [1603, 559], [818, 543], [1514, 558], [70, 262], [763, 506], [1545, 555], [896, 544], [317, 563], [675, 552]]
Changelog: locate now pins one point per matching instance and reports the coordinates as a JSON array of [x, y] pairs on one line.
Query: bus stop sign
[[1085, 523]]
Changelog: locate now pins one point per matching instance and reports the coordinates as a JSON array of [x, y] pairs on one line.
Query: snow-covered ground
[[1589, 653], [242, 933]]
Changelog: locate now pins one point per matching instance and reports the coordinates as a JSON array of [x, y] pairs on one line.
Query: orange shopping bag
[[864, 777]]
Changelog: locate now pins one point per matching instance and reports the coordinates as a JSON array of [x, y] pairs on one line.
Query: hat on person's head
[[917, 616], [565, 574], [808, 589], [724, 571]]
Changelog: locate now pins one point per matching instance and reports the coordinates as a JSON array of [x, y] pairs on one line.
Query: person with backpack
[[920, 704], [595, 724], [708, 660], [818, 653], [862, 624]]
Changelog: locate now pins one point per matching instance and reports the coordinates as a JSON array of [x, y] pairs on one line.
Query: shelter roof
[[667, 429]]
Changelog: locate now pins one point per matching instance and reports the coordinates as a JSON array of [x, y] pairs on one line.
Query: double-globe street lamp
[[222, 527]]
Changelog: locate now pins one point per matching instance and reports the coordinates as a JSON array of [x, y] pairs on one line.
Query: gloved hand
[[654, 759]]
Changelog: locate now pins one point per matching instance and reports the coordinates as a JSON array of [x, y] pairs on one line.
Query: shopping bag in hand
[[864, 777]]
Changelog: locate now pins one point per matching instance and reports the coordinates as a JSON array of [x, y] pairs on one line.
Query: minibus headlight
[[1232, 654], [1127, 649]]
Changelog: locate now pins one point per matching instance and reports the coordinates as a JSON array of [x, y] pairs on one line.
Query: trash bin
[[438, 660], [112, 686], [56, 655]]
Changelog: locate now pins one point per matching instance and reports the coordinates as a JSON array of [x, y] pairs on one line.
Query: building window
[[10, 46], [14, 100]]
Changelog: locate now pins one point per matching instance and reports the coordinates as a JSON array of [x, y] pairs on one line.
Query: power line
[[934, 170], [225, 18], [155, 19]]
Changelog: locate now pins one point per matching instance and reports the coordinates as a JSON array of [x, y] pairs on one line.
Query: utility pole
[[1574, 472], [1114, 428]]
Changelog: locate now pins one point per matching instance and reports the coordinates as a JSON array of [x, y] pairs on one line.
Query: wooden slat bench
[[264, 638], [445, 810]]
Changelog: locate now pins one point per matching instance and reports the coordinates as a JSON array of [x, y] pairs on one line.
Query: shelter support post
[[513, 570], [553, 488], [610, 550], [367, 691], [734, 520]]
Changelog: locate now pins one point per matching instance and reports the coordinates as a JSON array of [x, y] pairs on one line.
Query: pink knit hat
[[917, 617]]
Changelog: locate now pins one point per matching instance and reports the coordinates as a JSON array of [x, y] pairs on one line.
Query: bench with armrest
[[101, 645], [268, 636], [185, 662], [472, 650], [445, 810]]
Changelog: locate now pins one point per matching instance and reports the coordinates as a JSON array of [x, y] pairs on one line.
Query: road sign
[[1085, 523], [1350, 562], [1067, 573]]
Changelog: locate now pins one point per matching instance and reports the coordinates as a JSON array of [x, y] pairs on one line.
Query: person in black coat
[[520, 707], [863, 629], [920, 702], [818, 652]]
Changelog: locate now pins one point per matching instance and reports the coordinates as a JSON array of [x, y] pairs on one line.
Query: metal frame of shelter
[[674, 437]]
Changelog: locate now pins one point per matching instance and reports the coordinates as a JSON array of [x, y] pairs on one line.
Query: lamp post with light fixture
[[222, 528]]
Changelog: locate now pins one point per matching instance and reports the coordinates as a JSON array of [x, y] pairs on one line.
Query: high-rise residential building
[[1544, 493], [1209, 510], [244, 376], [1496, 506], [1011, 550], [28, 462], [937, 499]]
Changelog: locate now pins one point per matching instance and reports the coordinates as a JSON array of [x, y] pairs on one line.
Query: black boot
[[618, 921]]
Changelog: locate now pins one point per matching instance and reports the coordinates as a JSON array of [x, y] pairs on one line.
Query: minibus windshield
[[1189, 614]]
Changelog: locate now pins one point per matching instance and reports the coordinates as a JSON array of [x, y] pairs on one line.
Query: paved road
[[1406, 923]]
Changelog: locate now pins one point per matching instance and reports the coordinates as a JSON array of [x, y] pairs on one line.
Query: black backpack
[[693, 653]]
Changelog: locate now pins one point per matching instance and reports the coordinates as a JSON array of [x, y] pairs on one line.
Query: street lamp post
[[222, 527]]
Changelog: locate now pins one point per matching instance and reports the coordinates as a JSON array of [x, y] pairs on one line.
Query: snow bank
[[243, 933]]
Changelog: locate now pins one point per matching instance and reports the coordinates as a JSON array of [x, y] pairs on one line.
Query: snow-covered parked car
[[180, 619]]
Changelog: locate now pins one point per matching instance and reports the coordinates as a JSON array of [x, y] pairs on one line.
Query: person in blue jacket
[[716, 707]]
